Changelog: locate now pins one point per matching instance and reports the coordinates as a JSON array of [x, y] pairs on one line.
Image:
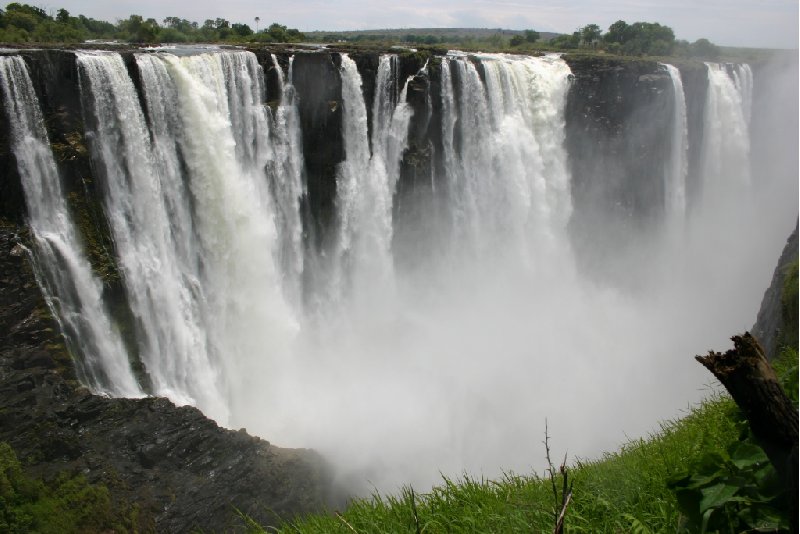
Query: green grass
[[625, 491]]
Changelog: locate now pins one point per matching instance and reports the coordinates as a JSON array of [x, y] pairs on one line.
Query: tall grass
[[625, 491]]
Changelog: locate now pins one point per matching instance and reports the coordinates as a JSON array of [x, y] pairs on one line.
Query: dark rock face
[[769, 321], [182, 470], [319, 86], [618, 120], [695, 88]]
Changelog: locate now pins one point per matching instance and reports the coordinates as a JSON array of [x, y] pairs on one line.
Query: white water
[[407, 373], [509, 181], [71, 288], [743, 80], [195, 245], [726, 140], [678, 163], [285, 173], [366, 182]]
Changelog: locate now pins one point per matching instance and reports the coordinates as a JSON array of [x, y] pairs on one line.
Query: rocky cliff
[[182, 471], [769, 327]]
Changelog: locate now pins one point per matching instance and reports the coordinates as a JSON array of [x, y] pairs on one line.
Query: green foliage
[[739, 489], [532, 36], [590, 33], [732, 492], [567, 42], [623, 492], [66, 505], [21, 23], [786, 366], [640, 38], [703, 48], [789, 306]]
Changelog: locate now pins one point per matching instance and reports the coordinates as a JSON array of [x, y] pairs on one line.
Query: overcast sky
[[756, 23]]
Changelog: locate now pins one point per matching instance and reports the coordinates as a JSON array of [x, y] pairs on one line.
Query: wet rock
[[181, 469]]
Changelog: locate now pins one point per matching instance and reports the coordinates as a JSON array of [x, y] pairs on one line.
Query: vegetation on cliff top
[[23, 23]]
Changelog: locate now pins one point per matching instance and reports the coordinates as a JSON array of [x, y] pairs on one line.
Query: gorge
[[404, 261]]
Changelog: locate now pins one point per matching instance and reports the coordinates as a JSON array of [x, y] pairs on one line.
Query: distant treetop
[[22, 23]]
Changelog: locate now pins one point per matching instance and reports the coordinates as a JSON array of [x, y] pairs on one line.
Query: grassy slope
[[623, 492]]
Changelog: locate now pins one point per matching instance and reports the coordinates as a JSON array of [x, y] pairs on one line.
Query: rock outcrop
[[770, 320], [182, 471]]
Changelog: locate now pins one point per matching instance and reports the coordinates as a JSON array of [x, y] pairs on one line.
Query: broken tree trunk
[[748, 377]]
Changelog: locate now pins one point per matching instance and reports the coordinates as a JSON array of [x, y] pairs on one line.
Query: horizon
[[771, 24]]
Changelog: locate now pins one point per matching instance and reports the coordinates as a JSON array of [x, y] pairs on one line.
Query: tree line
[[21, 23], [637, 39]]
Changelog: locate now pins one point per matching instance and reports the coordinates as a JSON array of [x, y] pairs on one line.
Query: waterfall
[[73, 292], [191, 217], [726, 141], [503, 149], [286, 176], [407, 340], [743, 80], [366, 180], [677, 163]]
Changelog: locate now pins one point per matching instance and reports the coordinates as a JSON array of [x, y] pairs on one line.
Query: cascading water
[[726, 140], [510, 185], [678, 162], [743, 79], [71, 288], [407, 372], [366, 180], [194, 244], [285, 174], [159, 282], [725, 212]]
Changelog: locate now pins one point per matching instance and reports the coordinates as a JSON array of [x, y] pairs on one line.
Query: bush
[[66, 505]]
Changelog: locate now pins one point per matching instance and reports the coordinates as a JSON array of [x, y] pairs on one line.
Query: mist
[[455, 364]]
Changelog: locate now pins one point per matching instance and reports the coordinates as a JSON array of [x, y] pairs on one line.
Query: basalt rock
[[182, 471], [770, 321]]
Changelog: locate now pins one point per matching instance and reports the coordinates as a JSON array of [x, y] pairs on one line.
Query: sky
[[748, 23]]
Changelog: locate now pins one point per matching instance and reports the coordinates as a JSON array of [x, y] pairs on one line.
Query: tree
[[617, 32], [242, 30], [590, 34], [704, 48], [640, 38], [532, 36], [516, 40], [139, 30], [35, 12], [62, 16], [258, 19], [566, 41], [277, 32]]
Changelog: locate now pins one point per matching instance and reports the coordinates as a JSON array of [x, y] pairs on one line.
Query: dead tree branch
[[748, 377]]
